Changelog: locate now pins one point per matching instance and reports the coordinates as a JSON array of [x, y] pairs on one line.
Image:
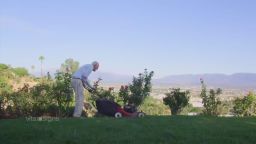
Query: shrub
[[136, 92], [62, 93], [106, 94], [190, 109], [5, 90], [5, 72], [225, 108], [153, 106], [20, 71], [176, 100], [5, 87], [3, 66], [41, 98], [210, 100], [140, 88], [245, 106], [28, 101], [20, 103], [101, 93], [124, 94], [46, 98]]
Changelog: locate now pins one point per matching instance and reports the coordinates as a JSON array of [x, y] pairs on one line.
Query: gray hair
[[95, 63]]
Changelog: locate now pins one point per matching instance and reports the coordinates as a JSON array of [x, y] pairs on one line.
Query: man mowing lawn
[[79, 82]]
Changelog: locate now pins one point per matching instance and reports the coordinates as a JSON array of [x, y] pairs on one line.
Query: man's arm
[[86, 83]]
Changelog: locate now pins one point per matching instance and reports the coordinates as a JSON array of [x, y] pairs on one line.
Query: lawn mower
[[111, 108]]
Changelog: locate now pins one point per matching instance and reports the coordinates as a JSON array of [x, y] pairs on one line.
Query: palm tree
[[32, 68], [41, 58]]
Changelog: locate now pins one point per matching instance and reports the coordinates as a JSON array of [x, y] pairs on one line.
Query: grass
[[148, 130]]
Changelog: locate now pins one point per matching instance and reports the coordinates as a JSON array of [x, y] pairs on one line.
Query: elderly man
[[79, 82]]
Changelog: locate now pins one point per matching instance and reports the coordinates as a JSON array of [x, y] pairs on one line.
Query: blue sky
[[126, 36]]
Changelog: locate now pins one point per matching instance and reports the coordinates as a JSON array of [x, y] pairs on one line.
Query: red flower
[[111, 88]]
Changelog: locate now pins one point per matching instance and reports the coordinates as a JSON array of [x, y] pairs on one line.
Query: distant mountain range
[[237, 80], [111, 78]]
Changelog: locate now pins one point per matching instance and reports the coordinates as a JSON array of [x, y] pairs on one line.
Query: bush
[[52, 98], [140, 88], [153, 106], [138, 91], [134, 94], [20, 71], [62, 93], [176, 100], [101, 93], [5, 87], [210, 100], [5, 90], [245, 106], [105, 94], [190, 109], [225, 108], [41, 98], [28, 101], [3, 67], [124, 94], [20, 103]]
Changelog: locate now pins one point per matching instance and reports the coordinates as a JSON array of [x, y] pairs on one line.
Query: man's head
[[95, 65]]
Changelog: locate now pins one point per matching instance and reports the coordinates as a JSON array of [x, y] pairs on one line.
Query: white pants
[[79, 91]]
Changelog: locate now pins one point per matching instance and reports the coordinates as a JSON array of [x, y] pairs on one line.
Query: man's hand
[[91, 90]]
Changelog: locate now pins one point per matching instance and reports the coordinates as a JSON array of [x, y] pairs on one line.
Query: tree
[[41, 58], [176, 100], [69, 65], [32, 68], [210, 100]]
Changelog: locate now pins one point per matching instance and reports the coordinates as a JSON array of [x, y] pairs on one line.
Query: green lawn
[[148, 130]]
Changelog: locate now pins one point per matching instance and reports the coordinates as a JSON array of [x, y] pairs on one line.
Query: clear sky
[[126, 36]]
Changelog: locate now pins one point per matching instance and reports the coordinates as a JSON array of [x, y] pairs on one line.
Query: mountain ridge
[[236, 80]]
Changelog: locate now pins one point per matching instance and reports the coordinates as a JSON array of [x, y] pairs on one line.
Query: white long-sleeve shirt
[[83, 73]]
